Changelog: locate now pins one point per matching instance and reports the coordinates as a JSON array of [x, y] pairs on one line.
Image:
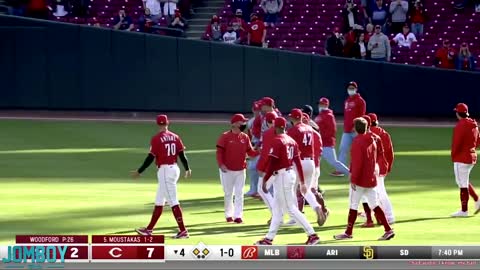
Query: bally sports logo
[[249, 252]]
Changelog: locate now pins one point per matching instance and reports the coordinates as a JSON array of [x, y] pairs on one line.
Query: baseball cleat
[[229, 219], [342, 236], [264, 242], [337, 174], [312, 240], [477, 207], [181, 235], [460, 213], [291, 222], [367, 225], [144, 231], [238, 221], [387, 236]]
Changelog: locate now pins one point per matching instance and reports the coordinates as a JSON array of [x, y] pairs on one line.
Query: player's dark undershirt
[[150, 158]]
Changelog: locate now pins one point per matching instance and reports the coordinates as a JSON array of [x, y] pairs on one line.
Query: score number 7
[[150, 252]]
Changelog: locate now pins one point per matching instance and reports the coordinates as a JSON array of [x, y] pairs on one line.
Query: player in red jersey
[[165, 148], [283, 154], [259, 124], [317, 154], [363, 180], [389, 156], [465, 140], [232, 149], [266, 139], [304, 137]]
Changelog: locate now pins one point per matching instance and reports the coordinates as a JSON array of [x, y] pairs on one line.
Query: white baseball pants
[[167, 176], [308, 166], [286, 202], [384, 200], [462, 173], [356, 195], [233, 183], [316, 177], [266, 197]]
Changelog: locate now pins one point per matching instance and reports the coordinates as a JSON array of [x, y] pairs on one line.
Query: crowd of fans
[[371, 28]]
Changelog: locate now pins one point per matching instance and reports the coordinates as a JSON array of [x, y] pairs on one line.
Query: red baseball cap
[[461, 108], [162, 119], [352, 83], [270, 116], [373, 117], [238, 118], [296, 114], [324, 100], [268, 101], [280, 122], [369, 120]]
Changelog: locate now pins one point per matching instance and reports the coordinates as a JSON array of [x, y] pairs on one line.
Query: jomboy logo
[[35, 254]]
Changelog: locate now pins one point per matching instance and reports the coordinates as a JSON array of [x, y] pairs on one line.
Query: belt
[[307, 158], [282, 170], [158, 166]]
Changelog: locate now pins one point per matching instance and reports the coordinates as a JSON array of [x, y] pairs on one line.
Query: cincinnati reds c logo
[[249, 253]]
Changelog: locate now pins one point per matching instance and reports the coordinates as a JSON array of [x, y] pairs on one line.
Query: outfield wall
[[50, 65]]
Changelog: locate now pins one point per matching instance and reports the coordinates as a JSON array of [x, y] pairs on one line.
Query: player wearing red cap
[[465, 141], [355, 106], [283, 154], [389, 157], [232, 149], [252, 162], [328, 130], [381, 165], [363, 180], [259, 124], [165, 148], [303, 136]]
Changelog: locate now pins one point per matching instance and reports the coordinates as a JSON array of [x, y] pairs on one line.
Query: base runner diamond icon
[[201, 251]]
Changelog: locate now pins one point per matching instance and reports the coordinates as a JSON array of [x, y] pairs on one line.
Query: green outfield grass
[[73, 178]]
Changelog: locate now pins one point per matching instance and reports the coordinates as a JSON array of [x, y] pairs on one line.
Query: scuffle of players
[[284, 165]]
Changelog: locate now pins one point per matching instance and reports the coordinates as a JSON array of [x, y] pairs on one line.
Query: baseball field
[[72, 177]]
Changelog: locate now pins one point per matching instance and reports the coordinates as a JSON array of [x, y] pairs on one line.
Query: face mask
[[242, 127], [352, 92], [337, 35], [321, 108]]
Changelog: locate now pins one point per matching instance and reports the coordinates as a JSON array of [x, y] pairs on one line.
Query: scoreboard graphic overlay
[[61, 250]]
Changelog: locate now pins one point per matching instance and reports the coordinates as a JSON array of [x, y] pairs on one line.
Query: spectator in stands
[[58, 7], [146, 21], [240, 26], [169, 8], [230, 36], [246, 6], [257, 32], [465, 3], [178, 21], [17, 7], [369, 32], [360, 48], [155, 11], [445, 56], [398, 10], [418, 18], [465, 60], [406, 38], [334, 43], [214, 30], [379, 14], [37, 9], [379, 46], [272, 9], [349, 42], [351, 17], [122, 21]]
